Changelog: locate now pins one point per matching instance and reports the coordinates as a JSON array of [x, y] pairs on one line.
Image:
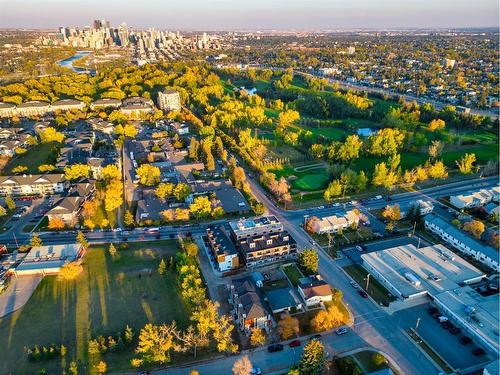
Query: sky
[[252, 14]]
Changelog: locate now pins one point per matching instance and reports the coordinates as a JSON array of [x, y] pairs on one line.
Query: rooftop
[[282, 298], [53, 256], [252, 223], [221, 242], [435, 267]]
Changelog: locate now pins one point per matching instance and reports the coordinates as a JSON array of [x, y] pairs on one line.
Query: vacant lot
[[45, 153], [107, 295]]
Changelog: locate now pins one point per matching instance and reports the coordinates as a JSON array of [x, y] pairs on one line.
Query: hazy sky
[[252, 14]]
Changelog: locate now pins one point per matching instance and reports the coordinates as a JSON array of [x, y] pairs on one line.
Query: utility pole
[[367, 281], [417, 324]]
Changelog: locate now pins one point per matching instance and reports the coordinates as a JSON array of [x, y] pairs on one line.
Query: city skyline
[[245, 15]]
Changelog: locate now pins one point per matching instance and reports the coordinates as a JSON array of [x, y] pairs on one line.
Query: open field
[[107, 295], [44, 153], [308, 177]]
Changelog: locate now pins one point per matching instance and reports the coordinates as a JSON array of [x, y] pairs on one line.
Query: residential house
[[425, 207], [185, 172], [334, 224], [105, 103], [7, 109], [283, 299], [223, 249], [33, 108], [67, 105], [67, 209], [476, 199], [150, 207], [314, 291], [179, 128], [462, 242], [44, 184], [249, 310], [8, 147]]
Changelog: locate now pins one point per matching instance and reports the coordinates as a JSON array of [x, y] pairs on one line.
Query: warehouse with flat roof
[[408, 272]]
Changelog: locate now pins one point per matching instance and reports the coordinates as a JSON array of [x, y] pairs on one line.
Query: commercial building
[[39, 184], [334, 223], [48, 260], [408, 272], [462, 242], [169, 100], [223, 249]]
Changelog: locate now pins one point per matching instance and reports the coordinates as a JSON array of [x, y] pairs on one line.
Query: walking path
[[18, 293]]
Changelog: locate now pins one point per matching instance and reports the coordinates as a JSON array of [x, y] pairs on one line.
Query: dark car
[[294, 343], [436, 314], [464, 340], [275, 348], [446, 325], [478, 351], [362, 293], [315, 337], [432, 310], [455, 330]]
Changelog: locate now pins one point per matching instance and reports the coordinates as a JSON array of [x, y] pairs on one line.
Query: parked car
[[315, 337], [341, 331], [478, 351], [275, 348], [442, 319], [445, 325], [294, 343], [432, 310], [362, 293], [359, 248], [464, 340], [354, 284], [256, 371], [455, 330], [436, 315]]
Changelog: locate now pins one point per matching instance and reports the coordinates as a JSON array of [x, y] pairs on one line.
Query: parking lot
[[441, 340]]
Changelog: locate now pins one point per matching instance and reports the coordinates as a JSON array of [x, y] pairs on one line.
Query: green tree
[[313, 358], [333, 190], [308, 260], [181, 192]]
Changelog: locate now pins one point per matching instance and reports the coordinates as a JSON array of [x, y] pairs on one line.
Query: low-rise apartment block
[[334, 223], [169, 100], [476, 199], [39, 184], [267, 248], [462, 242], [223, 249]]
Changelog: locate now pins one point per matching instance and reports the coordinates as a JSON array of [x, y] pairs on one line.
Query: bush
[[37, 354]]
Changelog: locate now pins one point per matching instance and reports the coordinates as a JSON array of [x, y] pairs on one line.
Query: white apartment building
[[169, 100]]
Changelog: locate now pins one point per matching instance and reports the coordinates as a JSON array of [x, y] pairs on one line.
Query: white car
[[354, 284], [117, 230], [442, 319], [341, 331]]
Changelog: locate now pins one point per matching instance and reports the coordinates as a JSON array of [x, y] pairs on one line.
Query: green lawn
[[366, 362], [375, 289], [306, 179], [483, 153], [107, 295], [293, 273], [44, 153]]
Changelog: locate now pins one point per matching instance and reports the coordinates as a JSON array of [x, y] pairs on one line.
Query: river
[[68, 63]]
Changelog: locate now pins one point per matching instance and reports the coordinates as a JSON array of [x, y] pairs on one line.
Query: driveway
[[18, 293]]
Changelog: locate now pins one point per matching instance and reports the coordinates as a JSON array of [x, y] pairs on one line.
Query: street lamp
[[417, 324], [367, 281]]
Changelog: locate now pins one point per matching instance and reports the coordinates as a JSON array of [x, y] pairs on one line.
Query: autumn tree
[[50, 134], [110, 172], [112, 250], [392, 213], [101, 367], [162, 267], [288, 326], [164, 190], [287, 118], [386, 142], [3, 211], [436, 124], [114, 195], [157, 342], [308, 260], [81, 239], [242, 366], [201, 207], [56, 223], [325, 320], [466, 163], [148, 175], [350, 149], [257, 337], [313, 358], [76, 171], [11, 204], [36, 241], [191, 249], [128, 219], [382, 176], [435, 149], [333, 190], [474, 227]]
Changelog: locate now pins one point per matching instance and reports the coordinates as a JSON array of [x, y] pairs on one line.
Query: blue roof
[[281, 298], [470, 242]]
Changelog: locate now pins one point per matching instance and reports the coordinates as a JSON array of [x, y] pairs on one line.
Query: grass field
[[107, 295], [305, 179], [43, 153]]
